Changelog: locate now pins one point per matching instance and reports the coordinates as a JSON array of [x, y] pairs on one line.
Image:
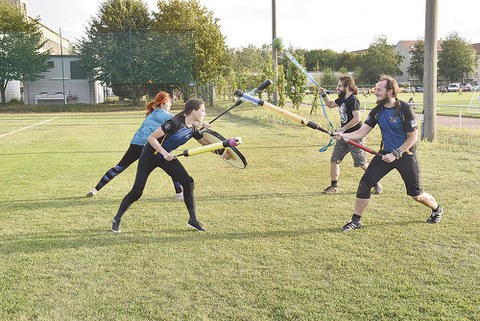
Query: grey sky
[[310, 24]]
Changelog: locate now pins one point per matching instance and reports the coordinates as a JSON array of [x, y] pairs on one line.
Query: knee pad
[[364, 189], [119, 168]]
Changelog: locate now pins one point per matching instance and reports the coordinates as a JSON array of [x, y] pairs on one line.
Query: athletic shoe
[[196, 225], [115, 226], [351, 225], [92, 192], [436, 216], [330, 190], [378, 189]]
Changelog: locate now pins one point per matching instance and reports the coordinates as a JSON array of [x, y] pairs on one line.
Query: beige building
[[57, 45], [406, 47]]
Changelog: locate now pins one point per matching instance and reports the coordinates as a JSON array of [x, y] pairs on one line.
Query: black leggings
[[407, 166], [146, 164], [133, 153]]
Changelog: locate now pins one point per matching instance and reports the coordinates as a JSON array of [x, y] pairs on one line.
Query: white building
[[53, 42], [69, 79]]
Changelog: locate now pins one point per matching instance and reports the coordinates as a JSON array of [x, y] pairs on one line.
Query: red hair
[[161, 98]]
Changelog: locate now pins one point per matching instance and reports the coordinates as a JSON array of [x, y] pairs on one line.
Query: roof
[[410, 44], [476, 46]]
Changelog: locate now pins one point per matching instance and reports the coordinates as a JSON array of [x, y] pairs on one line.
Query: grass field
[[273, 250]]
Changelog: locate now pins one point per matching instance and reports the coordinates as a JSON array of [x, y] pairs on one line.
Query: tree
[[210, 50], [322, 58], [21, 57], [296, 82], [416, 63], [328, 78], [281, 85], [380, 58], [114, 49], [457, 58]]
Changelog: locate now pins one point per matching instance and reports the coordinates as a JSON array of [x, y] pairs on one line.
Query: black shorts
[[407, 166]]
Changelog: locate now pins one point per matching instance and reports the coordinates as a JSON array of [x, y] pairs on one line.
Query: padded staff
[[232, 142], [299, 119]]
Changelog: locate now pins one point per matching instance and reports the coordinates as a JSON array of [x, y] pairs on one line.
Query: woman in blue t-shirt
[[158, 153], [158, 112]]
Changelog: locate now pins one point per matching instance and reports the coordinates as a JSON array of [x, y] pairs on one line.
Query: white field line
[[19, 130]]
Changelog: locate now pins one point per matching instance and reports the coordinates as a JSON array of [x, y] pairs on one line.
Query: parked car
[[419, 89], [467, 87], [442, 89], [453, 87]]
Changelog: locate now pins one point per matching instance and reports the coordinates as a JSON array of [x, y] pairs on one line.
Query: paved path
[[455, 121], [464, 122]]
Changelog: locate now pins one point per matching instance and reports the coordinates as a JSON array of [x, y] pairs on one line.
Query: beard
[[342, 94], [382, 101]]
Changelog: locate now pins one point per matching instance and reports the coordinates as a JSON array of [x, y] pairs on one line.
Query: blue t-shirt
[[177, 133], [394, 128], [154, 120]]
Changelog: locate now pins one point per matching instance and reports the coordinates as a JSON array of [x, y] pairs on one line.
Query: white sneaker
[[179, 196], [92, 192]]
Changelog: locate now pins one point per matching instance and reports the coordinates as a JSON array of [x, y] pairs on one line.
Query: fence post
[[460, 118]]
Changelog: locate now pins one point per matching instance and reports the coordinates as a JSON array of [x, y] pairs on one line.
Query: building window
[[76, 72], [50, 64]]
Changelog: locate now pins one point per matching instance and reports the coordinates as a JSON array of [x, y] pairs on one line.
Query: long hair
[[191, 105], [349, 82], [391, 84], [161, 98]]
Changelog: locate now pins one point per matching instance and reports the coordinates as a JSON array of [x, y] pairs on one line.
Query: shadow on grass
[[66, 202], [97, 238]]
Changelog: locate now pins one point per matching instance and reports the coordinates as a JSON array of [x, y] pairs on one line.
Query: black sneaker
[[115, 226], [436, 216], [351, 225], [196, 225]]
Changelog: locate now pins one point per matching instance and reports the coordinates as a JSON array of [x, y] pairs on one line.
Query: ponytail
[[161, 98]]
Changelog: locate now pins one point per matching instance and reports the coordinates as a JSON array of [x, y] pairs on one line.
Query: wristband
[[323, 95], [397, 153]]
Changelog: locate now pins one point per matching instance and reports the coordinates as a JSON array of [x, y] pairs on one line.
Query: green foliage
[[21, 57], [457, 58], [417, 61], [281, 86], [380, 58], [210, 51], [296, 81], [328, 79], [122, 50]]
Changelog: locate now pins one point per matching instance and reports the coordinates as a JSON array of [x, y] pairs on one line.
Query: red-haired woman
[[158, 112]]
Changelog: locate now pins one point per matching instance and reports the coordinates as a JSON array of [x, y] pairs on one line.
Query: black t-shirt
[[346, 108]]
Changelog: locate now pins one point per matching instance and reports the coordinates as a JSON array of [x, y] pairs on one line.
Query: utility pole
[[429, 129], [274, 54]]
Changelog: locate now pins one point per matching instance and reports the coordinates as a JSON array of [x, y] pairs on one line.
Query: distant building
[[476, 46], [53, 42], [406, 48], [69, 79]]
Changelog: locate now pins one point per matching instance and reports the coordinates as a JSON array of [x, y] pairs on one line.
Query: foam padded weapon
[[252, 92], [231, 142], [229, 154], [298, 119]]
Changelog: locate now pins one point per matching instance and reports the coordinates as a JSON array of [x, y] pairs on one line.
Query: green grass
[[273, 250]]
